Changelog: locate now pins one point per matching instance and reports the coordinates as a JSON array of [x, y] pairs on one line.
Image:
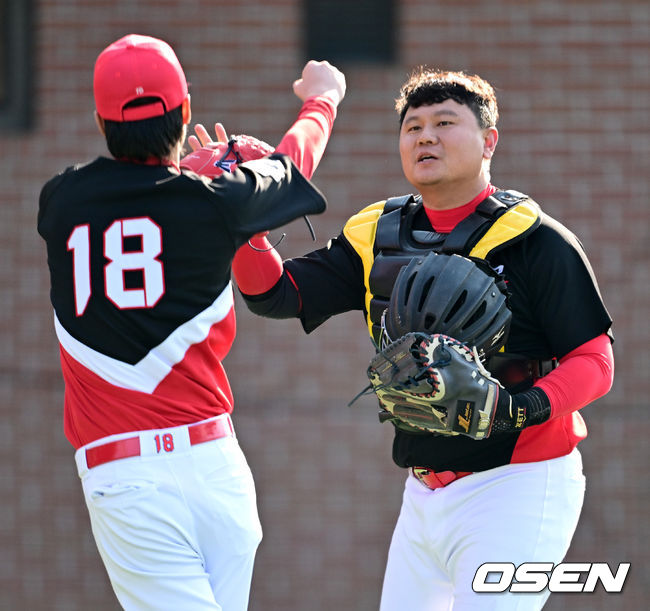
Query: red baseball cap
[[134, 67]]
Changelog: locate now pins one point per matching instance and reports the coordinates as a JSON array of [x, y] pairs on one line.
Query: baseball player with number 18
[[491, 335], [140, 249]]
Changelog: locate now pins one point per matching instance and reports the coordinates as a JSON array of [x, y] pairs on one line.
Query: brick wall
[[574, 87]]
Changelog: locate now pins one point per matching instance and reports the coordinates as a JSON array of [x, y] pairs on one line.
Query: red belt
[[130, 446], [437, 479]]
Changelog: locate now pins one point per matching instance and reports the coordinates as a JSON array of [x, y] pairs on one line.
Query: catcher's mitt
[[218, 157], [434, 383]]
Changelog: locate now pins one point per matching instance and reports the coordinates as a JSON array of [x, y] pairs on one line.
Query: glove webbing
[[368, 390]]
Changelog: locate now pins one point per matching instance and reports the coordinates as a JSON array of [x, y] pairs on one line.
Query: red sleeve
[[256, 272], [583, 375], [305, 141]]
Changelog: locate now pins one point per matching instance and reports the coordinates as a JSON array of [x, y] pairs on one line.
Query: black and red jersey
[[556, 306], [140, 259]]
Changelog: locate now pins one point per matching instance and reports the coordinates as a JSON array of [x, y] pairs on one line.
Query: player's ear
[[186, 110], [490, 139], [100, 124]]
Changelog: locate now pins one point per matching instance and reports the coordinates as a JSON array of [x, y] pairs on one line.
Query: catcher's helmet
[[451, 295]]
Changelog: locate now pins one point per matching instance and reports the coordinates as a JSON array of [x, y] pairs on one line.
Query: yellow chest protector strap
[[510, 227], [360, 231], [521, 217]]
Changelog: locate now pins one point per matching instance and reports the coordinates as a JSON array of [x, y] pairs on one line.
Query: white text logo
[[536, 576]]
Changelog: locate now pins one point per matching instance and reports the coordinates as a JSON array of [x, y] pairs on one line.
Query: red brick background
[[574, 84]]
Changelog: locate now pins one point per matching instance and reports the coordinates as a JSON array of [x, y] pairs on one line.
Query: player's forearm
[[584, 375], [306, 139]]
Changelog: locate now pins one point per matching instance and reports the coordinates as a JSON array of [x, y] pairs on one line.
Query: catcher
[[488, 436]]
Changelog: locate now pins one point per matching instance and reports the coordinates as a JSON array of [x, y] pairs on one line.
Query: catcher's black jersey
[[556, 307], [140, 259]]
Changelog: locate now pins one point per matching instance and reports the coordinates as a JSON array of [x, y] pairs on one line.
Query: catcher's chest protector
[[383, 236]]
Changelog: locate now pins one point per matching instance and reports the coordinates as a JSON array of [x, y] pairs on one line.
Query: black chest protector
[[498, 221]]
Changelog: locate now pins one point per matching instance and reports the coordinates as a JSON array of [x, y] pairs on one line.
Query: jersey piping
[[147, 374]]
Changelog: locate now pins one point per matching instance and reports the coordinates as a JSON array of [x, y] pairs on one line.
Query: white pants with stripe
[[176, 530], [515, 513]]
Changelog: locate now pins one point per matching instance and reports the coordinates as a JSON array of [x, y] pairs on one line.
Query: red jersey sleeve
[[256, 272], [584, 375], [306, 139]]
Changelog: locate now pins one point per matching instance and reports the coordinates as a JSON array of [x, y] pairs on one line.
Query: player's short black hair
[[427, 86], [147, 138]]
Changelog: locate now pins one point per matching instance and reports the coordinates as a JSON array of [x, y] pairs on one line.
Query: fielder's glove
[[219, 157], [436, 384]]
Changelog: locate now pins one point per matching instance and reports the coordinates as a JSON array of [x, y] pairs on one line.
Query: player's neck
[[446, 219], [167, 161], [173, 159], [453, 195]]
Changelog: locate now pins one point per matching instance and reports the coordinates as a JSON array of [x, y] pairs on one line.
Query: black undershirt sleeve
[[329, 281], [280, 301]]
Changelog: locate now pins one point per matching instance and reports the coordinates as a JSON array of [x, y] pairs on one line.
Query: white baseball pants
[[177, 527], [516, 513]]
